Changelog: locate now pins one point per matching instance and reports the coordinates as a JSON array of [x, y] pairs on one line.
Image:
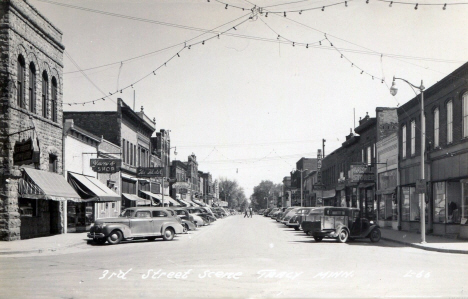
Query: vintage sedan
[[188, 220], [137, 223], [297, 219], [340, 223]]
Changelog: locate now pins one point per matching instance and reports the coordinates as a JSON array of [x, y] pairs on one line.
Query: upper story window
[[32, 88], [436, 127], [450, 122], [403, 142], [53, 163], [465, 114], [20, 82], [413, 137], [369, 155], [53, 107], [124, 151], [45, 95]]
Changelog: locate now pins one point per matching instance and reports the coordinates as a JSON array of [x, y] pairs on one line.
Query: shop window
[[32, 88], [45, 95], [449, 122], [386, 207], [464, 206], [465, 114], [453, 202], [20, 81], [439, 202], [28, 207], [436, 127], [403, 142], [409, 205]]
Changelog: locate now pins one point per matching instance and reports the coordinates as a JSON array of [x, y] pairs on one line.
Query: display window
[[439, 202], [409, 204], [28, 207], [464, 205], [387, 207]]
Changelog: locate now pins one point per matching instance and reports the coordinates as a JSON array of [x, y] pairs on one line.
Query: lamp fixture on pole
[[393, 92]]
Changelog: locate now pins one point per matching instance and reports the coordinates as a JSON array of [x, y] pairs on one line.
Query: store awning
[[131, 196], [144, 202], [128, 177], [202, 204], [37, 184], [171, 200], [328, 194], [365, 185], [91, 189], [155, 196]]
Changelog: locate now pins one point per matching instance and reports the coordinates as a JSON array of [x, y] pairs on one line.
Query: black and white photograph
[[233, 149]]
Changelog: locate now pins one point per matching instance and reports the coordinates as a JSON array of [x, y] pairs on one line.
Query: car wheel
[[343, 236], [318, 239], [115, 237], [375, 235], [168, 234], [100, 241], [186, 228], [296, 228]]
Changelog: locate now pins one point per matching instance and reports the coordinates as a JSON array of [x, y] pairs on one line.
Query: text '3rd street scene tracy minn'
[[233, 149]]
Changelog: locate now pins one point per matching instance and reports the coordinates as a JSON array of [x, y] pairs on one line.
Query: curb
[[40, 250], [426, 247]]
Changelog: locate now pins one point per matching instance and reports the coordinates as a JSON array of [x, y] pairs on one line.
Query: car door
[[141, 223], [159, 217], [356, 223]]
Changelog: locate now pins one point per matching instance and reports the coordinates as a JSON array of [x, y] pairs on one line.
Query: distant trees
[[230, 191], [264, 190]]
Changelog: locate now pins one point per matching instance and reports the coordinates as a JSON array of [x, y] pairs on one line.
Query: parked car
[[188, 221], [340, 223], [288, 215], [137, 223], [207, 218], [296, 220], [280, 214], [267, 211]]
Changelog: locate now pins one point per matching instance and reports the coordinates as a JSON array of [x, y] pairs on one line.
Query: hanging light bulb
[[226, 6], [294, 44], [189, 47], [178, 55], [266, 15], [121, 89], [234, 28], [285, 14], [278, 37], [382, 80], [69, 104], [323, 8], [331, 45], [300, 12], [94, 103], [203, 42], [416, 7], [372, 77], [346, 3], [208, 0], [307, 46], [445, 6], [391, 2], [218, 36], [367, 1], [103, 99], [352, 64], [132, 85], [362, 72], [154, 73], [320, 42], [341, 55]]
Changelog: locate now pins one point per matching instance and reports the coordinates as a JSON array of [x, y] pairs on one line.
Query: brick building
[[131, 131], [303, 167], [32, 188], [446, 157]]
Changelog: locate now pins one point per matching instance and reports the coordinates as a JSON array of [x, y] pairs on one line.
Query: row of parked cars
[[340, 223], [153, 222]]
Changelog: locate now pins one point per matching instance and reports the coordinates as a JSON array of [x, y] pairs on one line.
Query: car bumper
[[96, 235], [292, 224]]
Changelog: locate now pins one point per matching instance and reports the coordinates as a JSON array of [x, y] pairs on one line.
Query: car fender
[[191, 225], [369, 230], [126, 231], [340, 227], [178, 229]]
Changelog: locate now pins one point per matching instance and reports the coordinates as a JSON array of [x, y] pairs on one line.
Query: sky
[[252, 102]]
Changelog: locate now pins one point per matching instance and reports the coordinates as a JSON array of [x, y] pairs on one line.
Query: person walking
[[251, 211], [246, 213]]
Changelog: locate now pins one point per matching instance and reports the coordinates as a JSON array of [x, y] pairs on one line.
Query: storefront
[[387, 199], [41, 200], [98, 201], [368, 204]]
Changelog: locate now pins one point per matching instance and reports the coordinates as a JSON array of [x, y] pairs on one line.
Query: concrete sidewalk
[[43, 244], [433, 243]]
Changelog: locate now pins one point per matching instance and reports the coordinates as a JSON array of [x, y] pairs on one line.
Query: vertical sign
[[319, 167]]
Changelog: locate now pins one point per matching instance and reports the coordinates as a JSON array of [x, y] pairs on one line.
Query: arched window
[[436, 127], [32, 88], [449, 122], [53, 107], [20, 82], [45, 92]]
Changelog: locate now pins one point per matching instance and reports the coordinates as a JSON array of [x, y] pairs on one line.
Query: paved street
[[236, 257]]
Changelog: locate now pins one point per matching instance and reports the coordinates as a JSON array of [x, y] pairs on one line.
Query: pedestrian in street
[[246, 213], [251, 211]]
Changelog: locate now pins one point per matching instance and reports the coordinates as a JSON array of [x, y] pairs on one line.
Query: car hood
[[111, 220]]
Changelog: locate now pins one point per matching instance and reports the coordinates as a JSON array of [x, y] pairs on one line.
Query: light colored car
[[137, 223], [296, 220], [287, 216]]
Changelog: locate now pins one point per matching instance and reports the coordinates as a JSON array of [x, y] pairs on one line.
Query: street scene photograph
[[233, 149]]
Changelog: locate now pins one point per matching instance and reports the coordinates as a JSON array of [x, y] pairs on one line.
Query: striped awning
[[91, 189], [38, 184]]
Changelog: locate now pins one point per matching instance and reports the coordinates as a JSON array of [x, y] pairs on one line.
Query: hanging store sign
[[150, 172], [181, 185], [106, 165], [25, 153], [362, 173]]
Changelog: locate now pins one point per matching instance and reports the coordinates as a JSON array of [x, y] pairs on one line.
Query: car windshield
[[180, 212]]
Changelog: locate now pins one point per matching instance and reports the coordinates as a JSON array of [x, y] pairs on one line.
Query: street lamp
[[393, 92], [302, 182]]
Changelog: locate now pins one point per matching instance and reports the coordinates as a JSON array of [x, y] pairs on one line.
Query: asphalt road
[[236, 257]]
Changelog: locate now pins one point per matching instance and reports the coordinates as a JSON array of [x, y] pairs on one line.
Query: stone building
[[32, 188]]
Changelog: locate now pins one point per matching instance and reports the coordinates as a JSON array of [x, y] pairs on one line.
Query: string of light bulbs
[[417, 4], [300, 11], [186, 46]]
